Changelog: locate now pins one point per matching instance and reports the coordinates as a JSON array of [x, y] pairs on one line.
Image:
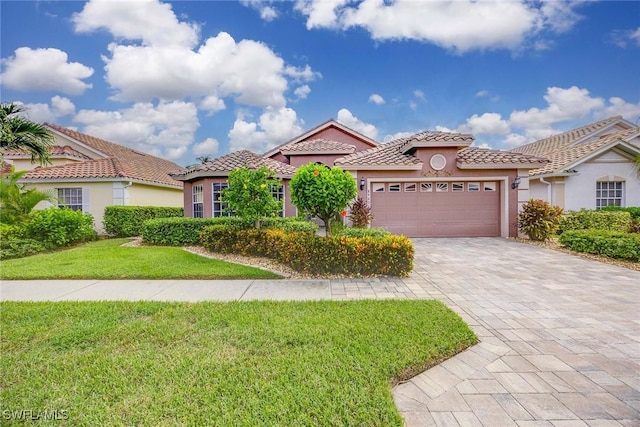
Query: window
[[378, 188], [442, 187], [219, 208], [609, 193], [457, 187], [198, 201], [473, 186], [70, 198], [394, 188], [489, 186], [410, 187], [278, 193], [426, 187]]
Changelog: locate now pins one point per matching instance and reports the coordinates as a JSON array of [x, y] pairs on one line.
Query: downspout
[[549, 193]]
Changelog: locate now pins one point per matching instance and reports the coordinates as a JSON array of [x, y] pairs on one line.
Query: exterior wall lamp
[[362, 182], [516, 182]]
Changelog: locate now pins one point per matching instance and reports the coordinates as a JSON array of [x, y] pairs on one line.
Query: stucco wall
[[146, 195]]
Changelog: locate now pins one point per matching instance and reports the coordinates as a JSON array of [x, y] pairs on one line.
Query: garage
[[437, 208]]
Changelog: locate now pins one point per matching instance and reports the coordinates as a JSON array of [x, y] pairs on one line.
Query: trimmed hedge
[[363, 232], [45, 230], [186, 231], [310, 253], [127, 221], [595, 219], [634, 211], [612, 244]]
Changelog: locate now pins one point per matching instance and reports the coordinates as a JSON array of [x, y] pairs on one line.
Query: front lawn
[[238, 363], [107, 259]]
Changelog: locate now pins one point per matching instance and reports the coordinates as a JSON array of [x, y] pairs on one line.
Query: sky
[[187, 79]]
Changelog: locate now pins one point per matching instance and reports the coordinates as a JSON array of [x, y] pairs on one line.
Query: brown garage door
[[437, 209]]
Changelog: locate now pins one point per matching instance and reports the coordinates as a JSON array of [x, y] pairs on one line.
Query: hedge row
[[127, 221], [363, 232], [310, 253], [45, 230], [634, 211], [595, 219], [607, 243], [186, 231]]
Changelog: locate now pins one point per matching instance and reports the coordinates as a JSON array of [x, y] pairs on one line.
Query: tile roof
[[320, 146], [132, 164], [477, 155], [569, 147], [55, 151], [389, 154], [432, 137], [98, 168], [236, 160]]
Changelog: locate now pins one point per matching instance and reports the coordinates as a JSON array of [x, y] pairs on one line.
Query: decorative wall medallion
[[438, 162]]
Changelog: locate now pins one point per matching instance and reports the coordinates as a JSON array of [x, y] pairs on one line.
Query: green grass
[[107, 259], [322, 363]]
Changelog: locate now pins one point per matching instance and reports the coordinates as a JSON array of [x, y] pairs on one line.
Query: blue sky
[[187, 79]]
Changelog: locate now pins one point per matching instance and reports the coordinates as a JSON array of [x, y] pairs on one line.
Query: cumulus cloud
[[618, 107], [302, 92], [164, 60], [40, 112], [273, 127], [376, 99], [165, 130], [348, 119], [267, 11], [460, 25], [209, 146], [398, 135], [485, 124], [45, 70]]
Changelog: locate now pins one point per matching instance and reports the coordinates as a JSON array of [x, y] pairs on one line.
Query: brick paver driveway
[[560, 338]]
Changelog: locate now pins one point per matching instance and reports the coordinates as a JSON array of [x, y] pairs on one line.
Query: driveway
[[560, 338]]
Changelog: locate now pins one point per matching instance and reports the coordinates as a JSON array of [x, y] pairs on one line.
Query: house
[[590, 167], [429, 184], [89, 174]]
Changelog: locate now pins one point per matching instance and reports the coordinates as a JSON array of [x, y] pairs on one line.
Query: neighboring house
[[89, 174], [429, 184], [591, 166]]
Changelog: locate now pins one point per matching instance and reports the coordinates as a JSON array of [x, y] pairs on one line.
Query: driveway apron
[[560, 338]]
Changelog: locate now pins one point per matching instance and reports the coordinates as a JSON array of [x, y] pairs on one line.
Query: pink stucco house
[[431, 184]]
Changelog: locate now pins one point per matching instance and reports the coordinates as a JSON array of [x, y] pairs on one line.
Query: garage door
[[437, 209]]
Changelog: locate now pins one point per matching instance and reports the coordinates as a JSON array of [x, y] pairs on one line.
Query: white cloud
[[418, 94], [274, 127], [212, 104], [482, 93], [413, 105], [348, 119], [563, 104], [150, 21], [40, 113], [624, 38], [305, 74], [618, 106], [45, 70], [376, 99], [267, 11], [164, 130], [302, 92], [398, 135], [209, 146], [485, 124], [460, 25]]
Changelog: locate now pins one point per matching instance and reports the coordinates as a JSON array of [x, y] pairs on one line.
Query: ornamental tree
[[249, 194], [322, 192]]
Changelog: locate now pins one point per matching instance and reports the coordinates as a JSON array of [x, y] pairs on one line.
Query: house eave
[[380, 167], [104, 179], [498, 165], [433, 144], [316, 153], [216, 174]]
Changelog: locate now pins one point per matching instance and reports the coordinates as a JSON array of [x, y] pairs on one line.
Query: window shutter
[[85, 200]]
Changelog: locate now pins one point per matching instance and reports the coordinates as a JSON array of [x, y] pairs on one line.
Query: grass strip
[[237, 363]]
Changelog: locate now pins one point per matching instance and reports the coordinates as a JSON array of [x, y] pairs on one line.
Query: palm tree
[[16, 132], [16, 200]]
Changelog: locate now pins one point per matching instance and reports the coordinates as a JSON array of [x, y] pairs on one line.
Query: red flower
[[316, 173], [343, 213]]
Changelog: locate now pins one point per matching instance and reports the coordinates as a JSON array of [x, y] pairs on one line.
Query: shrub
[[612, 244], [126, 221], [539, 220], [633, 211], [364, 232], [249, 194], [20, 247], [361, 214], [186, 231], [60, 227], [310, 253], [595, 219]]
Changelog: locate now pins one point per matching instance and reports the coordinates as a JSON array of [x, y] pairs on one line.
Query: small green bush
[[127, 221], [539, 220], [20, 247], [596, 220], [634, 211], [612, 244], [60, 227], [186, 231], [364, 232], [310, 253]]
